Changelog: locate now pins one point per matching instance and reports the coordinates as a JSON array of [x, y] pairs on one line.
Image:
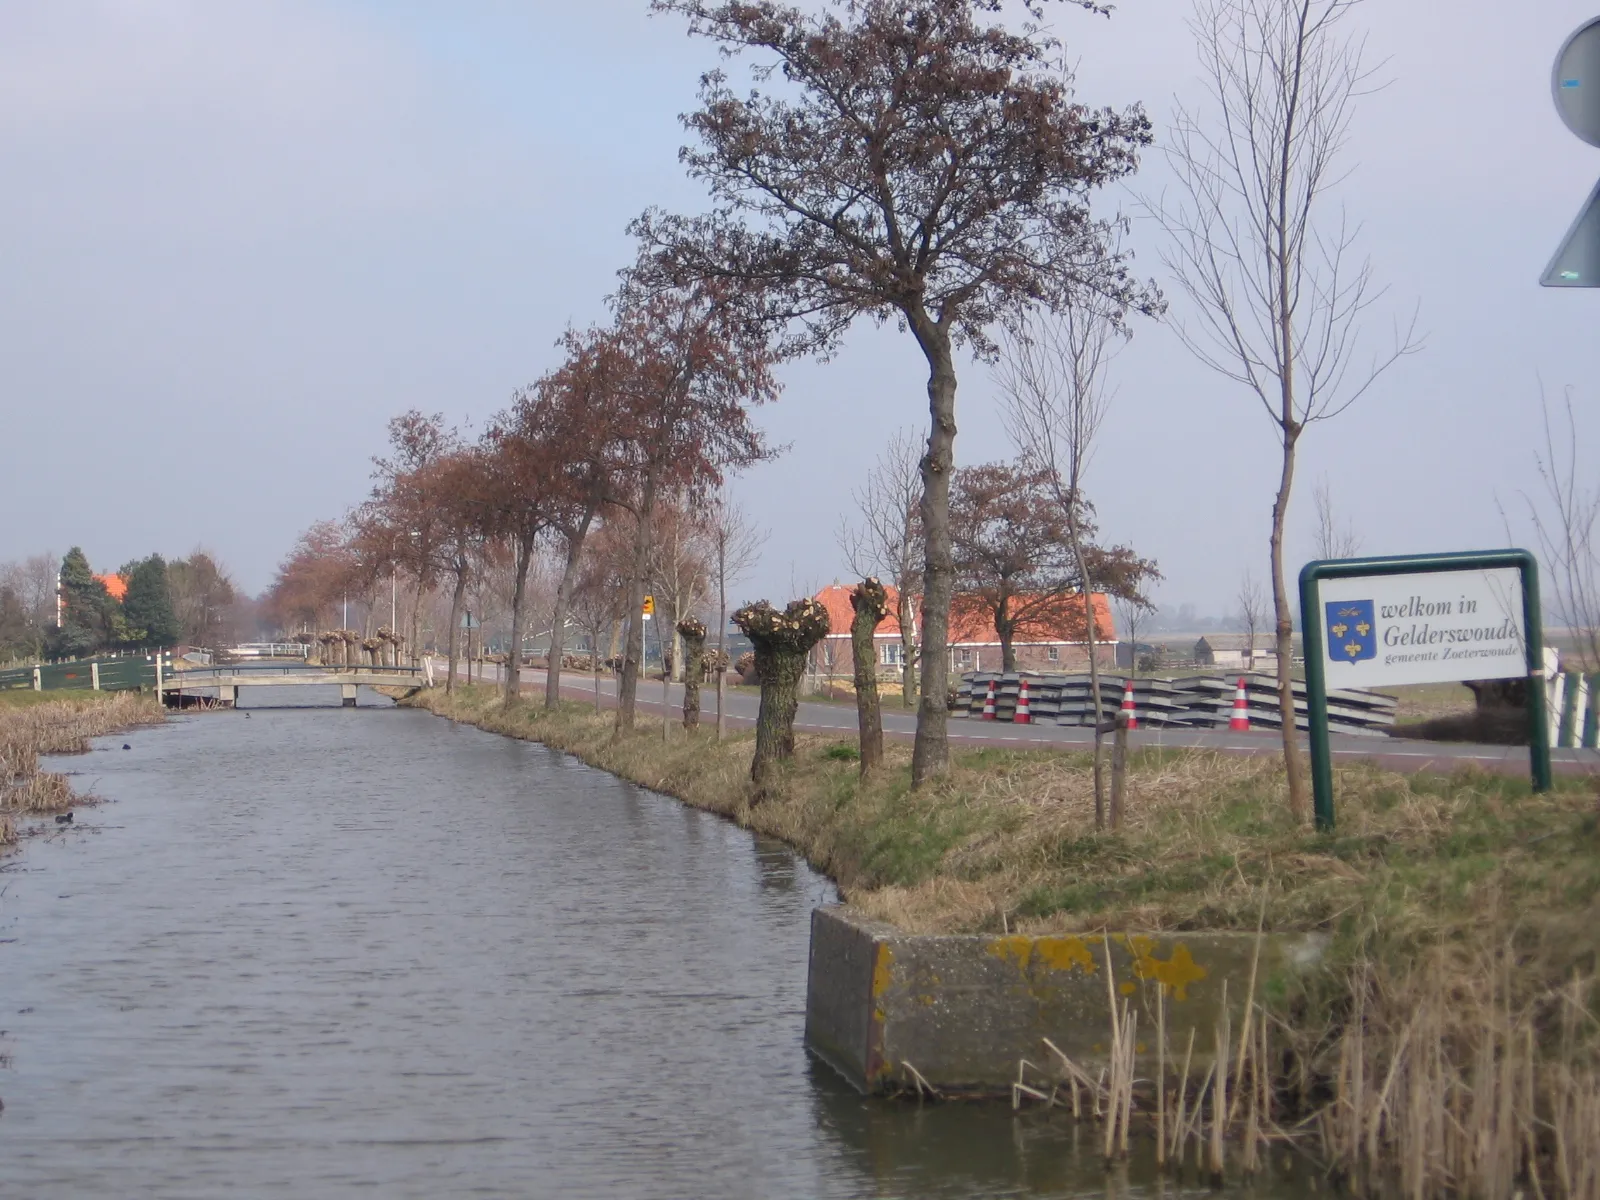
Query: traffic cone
[[1127, 706], [988, 703], [1240, 721], [1023, 716]]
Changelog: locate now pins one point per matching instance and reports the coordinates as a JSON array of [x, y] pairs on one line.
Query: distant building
[[1235, 651], [1047, 645]]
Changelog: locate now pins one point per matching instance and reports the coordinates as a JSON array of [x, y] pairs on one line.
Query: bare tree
[[1052, 375], [1134, 614], [1252, 603], [1278, 294], [1566, 521], [887, 543], [1333, 541], [738, 547]]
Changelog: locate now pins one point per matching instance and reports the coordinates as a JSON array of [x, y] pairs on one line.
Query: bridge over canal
[[228, 681]]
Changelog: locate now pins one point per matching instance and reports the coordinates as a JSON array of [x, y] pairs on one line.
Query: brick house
[[1045, 646]]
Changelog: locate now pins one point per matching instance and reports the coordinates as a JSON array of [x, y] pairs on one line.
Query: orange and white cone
[[1023, 716], [1240, 721], [1127, 706], [988, 703]]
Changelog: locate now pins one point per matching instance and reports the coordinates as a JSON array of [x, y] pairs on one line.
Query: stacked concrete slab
[[1199, 702]]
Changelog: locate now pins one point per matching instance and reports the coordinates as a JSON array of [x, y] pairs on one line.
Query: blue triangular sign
[[1577, 263]]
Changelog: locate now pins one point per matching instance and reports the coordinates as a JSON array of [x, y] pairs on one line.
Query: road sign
[[649, 606], [1576, 86], [468, 621], [1434, 618]]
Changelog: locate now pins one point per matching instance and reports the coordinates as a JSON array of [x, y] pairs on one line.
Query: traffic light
[[649, 606]]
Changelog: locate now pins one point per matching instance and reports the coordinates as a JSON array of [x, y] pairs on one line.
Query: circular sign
[[1577, 83]]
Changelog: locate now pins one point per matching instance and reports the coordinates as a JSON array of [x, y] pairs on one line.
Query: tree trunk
[[558, 622], [930, 756], [1091, 630], [870, 604], [1294, 764], [633, 653], [457, 600], [1006, 628], [780, 699], [722, 630], [514, 655], [908, 649], [694, 665]]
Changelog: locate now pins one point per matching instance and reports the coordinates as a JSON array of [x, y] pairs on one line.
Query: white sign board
[[1431, 627]]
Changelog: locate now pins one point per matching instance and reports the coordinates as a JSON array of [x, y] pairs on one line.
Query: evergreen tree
[[147, 608], [87, 610]]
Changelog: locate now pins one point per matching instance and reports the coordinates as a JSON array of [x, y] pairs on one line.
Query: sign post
[[1431, 618]]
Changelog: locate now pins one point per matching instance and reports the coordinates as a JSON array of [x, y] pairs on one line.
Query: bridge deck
[[362, 677]]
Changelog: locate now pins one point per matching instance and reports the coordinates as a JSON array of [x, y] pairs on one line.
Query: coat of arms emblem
[[1352, 631]]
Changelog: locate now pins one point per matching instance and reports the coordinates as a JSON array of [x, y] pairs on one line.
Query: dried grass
[[58, 726]]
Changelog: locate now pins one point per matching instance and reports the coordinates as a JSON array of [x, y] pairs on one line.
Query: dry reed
[[63, 726]]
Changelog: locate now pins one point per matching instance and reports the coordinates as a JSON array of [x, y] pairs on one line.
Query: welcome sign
[[1423, 627], [1429, 618]]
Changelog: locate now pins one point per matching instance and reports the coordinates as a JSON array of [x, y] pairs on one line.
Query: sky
[[236, 238]]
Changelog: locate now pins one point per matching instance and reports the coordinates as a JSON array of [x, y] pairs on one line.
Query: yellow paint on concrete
[[1175, 974], [1017, 948], [882, 976], [1057, 953], [1064, 953]]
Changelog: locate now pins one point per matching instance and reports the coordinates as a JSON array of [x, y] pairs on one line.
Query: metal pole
[[1316, 701], [1538, 721]]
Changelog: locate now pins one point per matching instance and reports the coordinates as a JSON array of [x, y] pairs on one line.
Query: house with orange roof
[[1055, 640], [116, 586]]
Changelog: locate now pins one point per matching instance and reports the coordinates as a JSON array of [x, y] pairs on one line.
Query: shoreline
[[1457, 912], [58, 723]]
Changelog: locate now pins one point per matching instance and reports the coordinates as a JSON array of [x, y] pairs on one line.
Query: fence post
[[94, 676], [1558, 700], [38, 680], [157, 657]]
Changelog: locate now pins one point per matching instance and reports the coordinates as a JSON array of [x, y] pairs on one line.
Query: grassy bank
[[33, 724], [1449, 1036]]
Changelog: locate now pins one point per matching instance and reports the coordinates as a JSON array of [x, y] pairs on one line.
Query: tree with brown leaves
[[921, 163], [693, 368], [1014, 554]]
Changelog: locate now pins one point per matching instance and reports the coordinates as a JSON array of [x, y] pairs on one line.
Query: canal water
[[333, 952]]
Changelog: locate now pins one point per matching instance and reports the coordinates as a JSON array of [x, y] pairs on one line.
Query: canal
[[320, 953]]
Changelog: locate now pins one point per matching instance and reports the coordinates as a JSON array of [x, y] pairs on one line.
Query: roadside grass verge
[[1007, 839], [1448, 1042]]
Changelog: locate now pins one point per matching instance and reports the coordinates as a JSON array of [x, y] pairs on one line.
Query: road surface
[[1395, 753]]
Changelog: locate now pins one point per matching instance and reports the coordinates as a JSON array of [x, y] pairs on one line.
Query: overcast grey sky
[[245, 234]]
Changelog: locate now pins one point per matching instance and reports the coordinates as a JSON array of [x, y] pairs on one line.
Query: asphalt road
[[1395, 753]]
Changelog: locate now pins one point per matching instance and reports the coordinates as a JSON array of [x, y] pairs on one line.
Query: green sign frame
[[1415, 564]]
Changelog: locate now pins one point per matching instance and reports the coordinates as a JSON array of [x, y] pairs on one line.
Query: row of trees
[[926, 163], [62, 609]]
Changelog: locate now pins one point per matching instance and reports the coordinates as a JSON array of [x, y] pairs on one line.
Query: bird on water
[[64, 819]]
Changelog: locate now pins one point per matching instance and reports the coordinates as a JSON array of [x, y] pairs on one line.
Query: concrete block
[[963, 1010]]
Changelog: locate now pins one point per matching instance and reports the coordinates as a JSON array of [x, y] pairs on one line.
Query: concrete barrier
[[963, 1010]]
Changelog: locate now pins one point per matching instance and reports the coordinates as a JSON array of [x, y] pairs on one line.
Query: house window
[[1054, 654], [891, 654], [965, 656]]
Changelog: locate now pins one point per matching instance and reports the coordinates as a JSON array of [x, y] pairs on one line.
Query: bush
[[745, 668]]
